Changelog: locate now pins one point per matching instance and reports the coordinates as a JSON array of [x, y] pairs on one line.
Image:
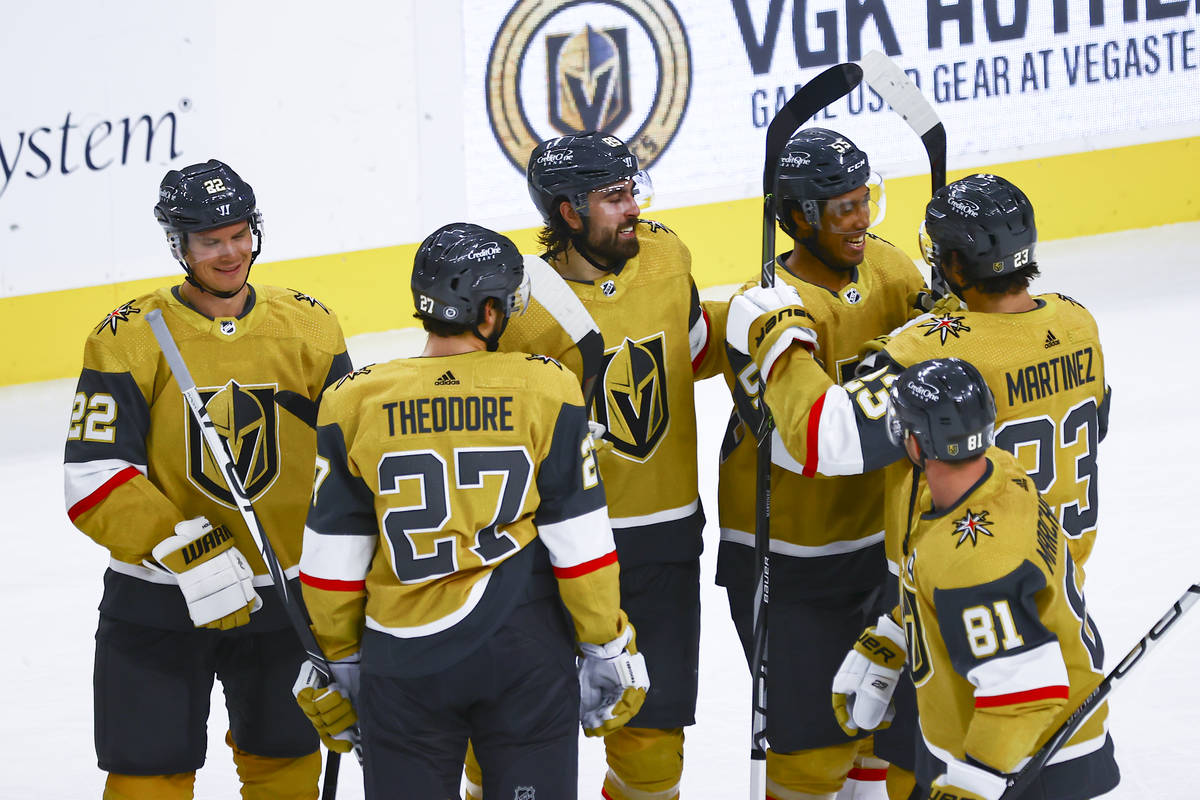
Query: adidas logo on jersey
[[1051, 340], [446, 379]]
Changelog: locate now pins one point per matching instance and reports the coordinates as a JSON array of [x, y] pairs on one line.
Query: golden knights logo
[[118, 315], [244, 416], [632, 404], [946, 325], [598, 55], [971, 527]]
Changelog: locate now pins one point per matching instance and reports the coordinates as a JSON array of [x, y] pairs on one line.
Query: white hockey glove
[[612, 683], [216, 581], [330, 707], [967, 782], [863, 686], [599, 443], [764, 322]]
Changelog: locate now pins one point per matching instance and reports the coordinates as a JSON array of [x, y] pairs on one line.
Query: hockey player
[[996, 632], [1040, 355], [828, 566], [634, 277], [186, 595], [1052, 396], [442, 482]]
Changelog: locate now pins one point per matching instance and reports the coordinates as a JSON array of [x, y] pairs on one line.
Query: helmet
[[459, 266], [986, 220], [202, 197], [946, 405], [569, 167], [816, 164]]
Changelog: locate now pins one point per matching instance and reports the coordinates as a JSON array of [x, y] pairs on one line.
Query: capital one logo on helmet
[[599, 54]]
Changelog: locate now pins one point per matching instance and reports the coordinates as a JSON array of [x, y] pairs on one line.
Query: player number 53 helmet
[[818, 164], [947, 407]]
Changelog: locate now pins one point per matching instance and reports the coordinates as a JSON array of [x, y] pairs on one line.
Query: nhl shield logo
[[633, 402], [244, 416], [525, 793]]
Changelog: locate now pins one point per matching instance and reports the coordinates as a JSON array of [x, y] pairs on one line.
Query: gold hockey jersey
[[1001, 647], [440, 485], [822, 517], [656, 342], [1045, 368], [134, 459]]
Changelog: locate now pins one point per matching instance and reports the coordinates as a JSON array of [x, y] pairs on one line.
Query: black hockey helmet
[[946, 405], [986, 220], [459, 266], [815, 165], [202, 197], [569, 167]]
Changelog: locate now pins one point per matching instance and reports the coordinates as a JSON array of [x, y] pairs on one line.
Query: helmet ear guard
[[818, 164]]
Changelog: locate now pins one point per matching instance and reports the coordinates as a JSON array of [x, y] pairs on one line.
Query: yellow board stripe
[[1081, 194]]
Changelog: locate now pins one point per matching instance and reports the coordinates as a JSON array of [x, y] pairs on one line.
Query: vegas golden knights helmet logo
[[632, 403], [244, 416], [588, 80]]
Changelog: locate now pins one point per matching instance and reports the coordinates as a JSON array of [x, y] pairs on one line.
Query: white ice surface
[[1143, 287]]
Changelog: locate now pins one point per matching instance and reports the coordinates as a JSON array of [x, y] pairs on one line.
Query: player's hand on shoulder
[[964, 781], [329, 706], [926, 302], [612, 683], [863, 685], [214, 576]]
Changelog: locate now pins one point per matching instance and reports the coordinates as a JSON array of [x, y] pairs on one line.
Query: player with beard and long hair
[[633, 276], [827, 540]]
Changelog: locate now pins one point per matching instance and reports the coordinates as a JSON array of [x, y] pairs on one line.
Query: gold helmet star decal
[[971, 526], [946, 324]]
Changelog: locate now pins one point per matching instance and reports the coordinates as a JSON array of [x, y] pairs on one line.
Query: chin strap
[[223, 295], [492, 342]]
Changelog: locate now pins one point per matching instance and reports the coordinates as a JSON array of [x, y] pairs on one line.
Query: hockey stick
[[551, 290], [825, 88], [219, 449], [890, 83], [1019, 782]]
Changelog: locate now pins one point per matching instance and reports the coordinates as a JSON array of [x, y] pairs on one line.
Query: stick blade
[[905, 98]]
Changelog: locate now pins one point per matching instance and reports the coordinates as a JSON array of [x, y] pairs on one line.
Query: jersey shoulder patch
[[350, 376], [312, 302], [124, 313]]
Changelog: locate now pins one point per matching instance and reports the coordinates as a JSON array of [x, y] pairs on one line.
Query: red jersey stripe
[[814, 429], [1029, 696], [104, 490], [332, 584], [587, 566]]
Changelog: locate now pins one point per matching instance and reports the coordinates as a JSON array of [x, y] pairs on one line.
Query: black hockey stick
[[829, 86], [219, 450], [1019, 781], [890, 82]]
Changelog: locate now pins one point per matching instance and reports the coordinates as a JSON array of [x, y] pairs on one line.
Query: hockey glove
[[599, 443], [763, 322], [926, 302], [330, 707], [863, 686], [962, 781], [216, 581], [612, 683]]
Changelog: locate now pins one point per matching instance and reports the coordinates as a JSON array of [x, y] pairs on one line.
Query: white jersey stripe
[[337, 557], [80, 479], [801, 550], [578, 540], [668, 515]]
